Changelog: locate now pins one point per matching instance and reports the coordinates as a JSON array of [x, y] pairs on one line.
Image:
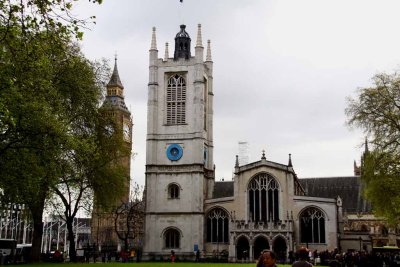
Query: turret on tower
[[182, 44]]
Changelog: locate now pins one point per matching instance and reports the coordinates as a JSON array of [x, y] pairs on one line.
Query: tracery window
[[263, 198], [312, 226], [173, 191], [218, 226], [176, 100], [172, 238]]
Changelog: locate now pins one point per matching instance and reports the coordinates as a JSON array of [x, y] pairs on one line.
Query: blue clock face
[[174, 152]]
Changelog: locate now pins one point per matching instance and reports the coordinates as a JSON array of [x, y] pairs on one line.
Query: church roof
[[223, 189], [348, 188], [115, 80]]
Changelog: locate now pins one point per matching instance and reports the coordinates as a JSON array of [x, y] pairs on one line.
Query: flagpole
[[181, 9]]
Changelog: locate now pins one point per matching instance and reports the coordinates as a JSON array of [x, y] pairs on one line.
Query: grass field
[[147, 264]]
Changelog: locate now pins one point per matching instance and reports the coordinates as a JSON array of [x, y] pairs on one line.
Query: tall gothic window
[[176, 100], [172, 238], [173, 191], [263, 198], [312, 226], [218, 226]]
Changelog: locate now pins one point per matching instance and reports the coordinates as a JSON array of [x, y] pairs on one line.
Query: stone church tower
[[103, 229], [179, 158]]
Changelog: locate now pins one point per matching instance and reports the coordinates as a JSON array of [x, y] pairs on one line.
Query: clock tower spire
[[114, 107]]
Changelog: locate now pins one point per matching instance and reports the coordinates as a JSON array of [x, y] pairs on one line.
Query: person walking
[[172, 256], [303, 257]]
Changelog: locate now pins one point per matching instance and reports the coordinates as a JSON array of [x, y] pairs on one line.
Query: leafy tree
[[32, 134], [91, 158], [376, 110], [35, 122], [33, 16]]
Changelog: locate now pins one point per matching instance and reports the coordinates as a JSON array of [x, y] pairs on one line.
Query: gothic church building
[[264, 206]]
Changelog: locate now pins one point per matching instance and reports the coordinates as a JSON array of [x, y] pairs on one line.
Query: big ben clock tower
[[103, 225], [179, 152], [114, 105]]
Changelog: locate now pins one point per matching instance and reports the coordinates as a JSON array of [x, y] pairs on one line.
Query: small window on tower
[[173, 191]]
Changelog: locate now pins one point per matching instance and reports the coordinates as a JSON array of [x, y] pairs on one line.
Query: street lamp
[[360, 238]]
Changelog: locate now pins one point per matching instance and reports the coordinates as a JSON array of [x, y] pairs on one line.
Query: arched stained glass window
[[172, 238], [263, 198], [312, 226], [217, 226]]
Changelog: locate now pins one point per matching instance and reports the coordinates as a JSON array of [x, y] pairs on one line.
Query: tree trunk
[[71, 238], [37, 237], [126, 243]]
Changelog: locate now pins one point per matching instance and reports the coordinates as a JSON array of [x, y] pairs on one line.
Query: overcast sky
[[282, 71]]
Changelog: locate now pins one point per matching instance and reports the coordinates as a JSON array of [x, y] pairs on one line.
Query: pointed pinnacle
[[166, 55], [208, 56], [153, 40], [115, 80], [199, 42]]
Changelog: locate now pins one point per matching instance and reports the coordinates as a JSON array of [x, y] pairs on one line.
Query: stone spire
[[115, 80], [153, 40], [208, 56], [115, 92], [166, 55], [290, 161], [199, 42]]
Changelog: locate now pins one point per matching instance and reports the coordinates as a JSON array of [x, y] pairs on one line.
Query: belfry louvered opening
[[176, 100]]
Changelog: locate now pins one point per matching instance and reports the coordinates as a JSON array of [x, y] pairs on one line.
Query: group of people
[[334, 259], [268, 259]]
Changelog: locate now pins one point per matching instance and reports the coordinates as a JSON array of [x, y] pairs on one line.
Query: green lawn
[[147, 264]]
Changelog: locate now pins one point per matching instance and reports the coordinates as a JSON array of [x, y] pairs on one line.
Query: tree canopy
[[376, 110], [52, 136]]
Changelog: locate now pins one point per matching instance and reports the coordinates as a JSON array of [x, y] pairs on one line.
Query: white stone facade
[[263, 207], [193, 172]]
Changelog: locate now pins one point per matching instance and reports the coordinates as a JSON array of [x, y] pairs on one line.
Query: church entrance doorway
[[280, 249], [242, 248], [260, 244]]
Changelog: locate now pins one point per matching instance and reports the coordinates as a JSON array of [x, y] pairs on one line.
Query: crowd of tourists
[[355, 258], [305, 258]]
